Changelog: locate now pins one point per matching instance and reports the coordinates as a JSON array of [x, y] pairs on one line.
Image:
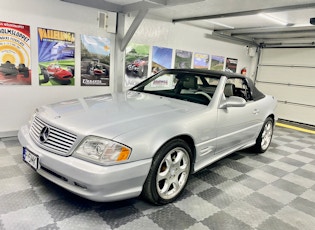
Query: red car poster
[[56, 57], [15, 58], [231, 65], [137, 60], [95, 60]]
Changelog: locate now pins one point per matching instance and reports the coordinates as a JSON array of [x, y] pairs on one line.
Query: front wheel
[[264, 138], [169, 173]]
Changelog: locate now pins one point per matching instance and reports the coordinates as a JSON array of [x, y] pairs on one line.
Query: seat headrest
[[229, 89], [190, 83]]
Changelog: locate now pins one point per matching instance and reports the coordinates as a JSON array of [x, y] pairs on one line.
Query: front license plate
[[30, 158]]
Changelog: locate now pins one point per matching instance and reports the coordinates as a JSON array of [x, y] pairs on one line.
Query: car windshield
[[188, 86]]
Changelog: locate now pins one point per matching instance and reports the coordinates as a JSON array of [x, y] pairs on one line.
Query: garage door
[[289, 75]]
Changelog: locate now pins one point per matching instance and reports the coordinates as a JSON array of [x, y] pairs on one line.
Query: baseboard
[[8, 134]]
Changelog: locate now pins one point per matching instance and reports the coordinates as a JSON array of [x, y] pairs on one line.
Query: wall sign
[[15, 60], [56, 51], [95, 61]]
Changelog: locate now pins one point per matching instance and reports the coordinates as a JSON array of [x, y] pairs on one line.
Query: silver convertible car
[[148, 140]]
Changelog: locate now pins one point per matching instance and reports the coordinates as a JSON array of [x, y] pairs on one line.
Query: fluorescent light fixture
[[274, 19], [219, 24]]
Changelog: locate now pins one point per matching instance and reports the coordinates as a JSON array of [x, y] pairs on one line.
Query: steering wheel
[[204, 94]]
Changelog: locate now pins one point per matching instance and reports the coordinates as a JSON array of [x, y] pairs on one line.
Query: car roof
[[256, 94], [215, 73]]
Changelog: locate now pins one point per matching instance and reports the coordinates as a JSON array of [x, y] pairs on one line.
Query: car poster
[[201, 61], [161, 58], [183, 59], [231, 65], [95, 61], [217, 62], [15, 58], [56, 51], [137, 57]]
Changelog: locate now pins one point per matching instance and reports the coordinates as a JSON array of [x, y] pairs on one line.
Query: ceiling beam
[[136, 6], [247, 12], [133, 28], [230, 39], [274, 32], [98, 4], [267, 30]]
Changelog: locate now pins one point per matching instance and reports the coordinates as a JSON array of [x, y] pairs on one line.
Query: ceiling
[[250, 22]]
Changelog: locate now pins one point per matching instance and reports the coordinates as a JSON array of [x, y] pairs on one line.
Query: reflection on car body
[[149, 139]]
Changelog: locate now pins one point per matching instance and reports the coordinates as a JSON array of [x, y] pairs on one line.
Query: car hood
[[111, 115]]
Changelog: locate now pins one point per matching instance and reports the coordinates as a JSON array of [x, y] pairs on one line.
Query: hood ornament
[[44, 134]]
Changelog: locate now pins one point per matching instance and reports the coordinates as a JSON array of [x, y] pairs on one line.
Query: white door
[[289, 75]]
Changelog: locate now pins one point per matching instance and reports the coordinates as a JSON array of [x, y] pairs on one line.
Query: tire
[[264, 138], [46, 78], [169, 173]]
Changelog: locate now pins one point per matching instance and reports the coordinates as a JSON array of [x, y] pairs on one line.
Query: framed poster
[[136, 66], [201, 61], [231, 65], [56, 51], [95, 61], [15, 57], [183, 59], [217, 62], [161, 58]]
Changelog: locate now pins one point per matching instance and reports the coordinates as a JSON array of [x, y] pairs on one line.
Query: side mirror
[[233, 101]]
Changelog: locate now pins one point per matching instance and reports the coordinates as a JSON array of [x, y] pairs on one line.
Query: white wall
[[17, 103], [189, 38]]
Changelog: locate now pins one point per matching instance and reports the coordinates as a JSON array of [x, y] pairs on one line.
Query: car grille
[[57, 140]]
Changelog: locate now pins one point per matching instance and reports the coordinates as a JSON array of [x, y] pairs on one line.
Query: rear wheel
[[169, 173], [264, 138]]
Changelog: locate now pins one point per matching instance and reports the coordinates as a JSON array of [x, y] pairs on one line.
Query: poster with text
[[183, 59], [201, 61], [217, 62], [136, 66], [231, 65], [15, 57], [56, 51], [95, 61], [161, 58]]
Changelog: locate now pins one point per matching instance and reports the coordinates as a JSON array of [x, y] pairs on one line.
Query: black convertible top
[[255, 93]]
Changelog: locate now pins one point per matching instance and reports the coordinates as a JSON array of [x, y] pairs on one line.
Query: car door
[[237, 126]]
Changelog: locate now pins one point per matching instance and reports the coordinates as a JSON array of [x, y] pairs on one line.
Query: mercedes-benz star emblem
[[43, 136]]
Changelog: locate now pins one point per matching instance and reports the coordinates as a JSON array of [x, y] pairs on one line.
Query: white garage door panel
[[289, 75], [302, 114], [285, 75], [291, 94], [292, 56]]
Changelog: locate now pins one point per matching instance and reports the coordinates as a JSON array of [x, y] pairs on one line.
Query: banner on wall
[[231, 65], [56, 51], [95, 61], [15, 57], [136, 66], [201, 61], [161, 58], [183, 59], [217, 62]]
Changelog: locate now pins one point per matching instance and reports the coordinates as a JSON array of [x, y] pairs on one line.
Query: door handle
[[256, 111]]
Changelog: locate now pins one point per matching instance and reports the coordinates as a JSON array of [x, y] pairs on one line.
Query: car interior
[[194, 88]]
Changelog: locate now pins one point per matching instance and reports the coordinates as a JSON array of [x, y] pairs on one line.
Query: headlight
[[102, 151]]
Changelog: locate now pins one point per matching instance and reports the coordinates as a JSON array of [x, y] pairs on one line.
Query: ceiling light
[[219, 24], [274, 19]]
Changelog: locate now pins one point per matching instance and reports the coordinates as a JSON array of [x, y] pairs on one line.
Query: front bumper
[[91, 181]]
